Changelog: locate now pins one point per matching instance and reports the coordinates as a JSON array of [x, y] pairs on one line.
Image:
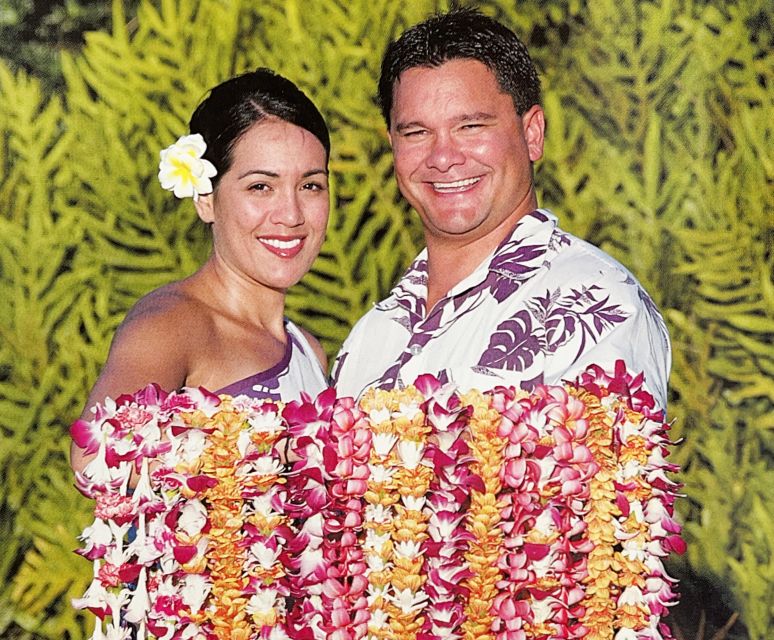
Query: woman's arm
[[150, 345]]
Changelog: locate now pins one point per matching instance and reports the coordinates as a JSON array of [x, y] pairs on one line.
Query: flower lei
[[183, 168], [417, 513]]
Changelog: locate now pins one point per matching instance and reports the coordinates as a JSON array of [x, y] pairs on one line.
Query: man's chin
[[456, 225]]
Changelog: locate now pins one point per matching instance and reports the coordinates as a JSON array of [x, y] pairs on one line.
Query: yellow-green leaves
[[659, 149]]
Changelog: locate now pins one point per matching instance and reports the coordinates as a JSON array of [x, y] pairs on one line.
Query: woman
[[265, 147]]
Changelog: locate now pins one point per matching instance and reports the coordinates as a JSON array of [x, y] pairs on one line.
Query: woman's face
[[270, 209]]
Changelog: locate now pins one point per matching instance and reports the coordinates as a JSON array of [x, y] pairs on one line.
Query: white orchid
[[264, 555], [140, 603], [410, 453], [408, 549], [193, 517], [262, 602], [375, 541], [413, 503], [383, 443], [267, 466], [631, 595], [380, 473], [195, 592], [409, 601], [99, 533]]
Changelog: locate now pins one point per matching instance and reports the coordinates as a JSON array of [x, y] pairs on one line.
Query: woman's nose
[[289, 212]]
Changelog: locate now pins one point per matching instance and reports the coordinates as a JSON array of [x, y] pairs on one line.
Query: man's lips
[[455, 186], [282, 246]]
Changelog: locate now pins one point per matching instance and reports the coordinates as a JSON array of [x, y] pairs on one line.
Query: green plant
[[658, 150]]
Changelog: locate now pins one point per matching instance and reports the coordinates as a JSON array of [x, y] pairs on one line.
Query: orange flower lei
[[381, 497], [601, 583], [628, 562], [396, 492], [484, 516], [409, 528], [228, 610]]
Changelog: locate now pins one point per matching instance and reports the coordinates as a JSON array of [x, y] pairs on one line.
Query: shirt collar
[[530, 238]]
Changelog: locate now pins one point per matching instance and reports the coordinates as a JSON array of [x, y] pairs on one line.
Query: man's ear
[[534, 124], [204, 208]]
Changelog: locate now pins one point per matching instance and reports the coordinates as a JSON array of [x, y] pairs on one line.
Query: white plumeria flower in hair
[[184, 171]]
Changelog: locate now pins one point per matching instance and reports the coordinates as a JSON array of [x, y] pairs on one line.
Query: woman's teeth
[[281, 244]]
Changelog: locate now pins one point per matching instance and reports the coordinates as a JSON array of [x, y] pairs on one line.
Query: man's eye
[[414, 133], [472, 125]]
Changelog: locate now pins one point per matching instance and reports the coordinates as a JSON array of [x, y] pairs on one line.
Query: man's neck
[[445, 270], [449, 262]]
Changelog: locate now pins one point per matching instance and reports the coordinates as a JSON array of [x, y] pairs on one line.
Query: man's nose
[[444, 153]]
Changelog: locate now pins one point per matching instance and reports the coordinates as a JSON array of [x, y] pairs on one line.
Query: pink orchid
[[109, 575], [86, 435], [191, 398]]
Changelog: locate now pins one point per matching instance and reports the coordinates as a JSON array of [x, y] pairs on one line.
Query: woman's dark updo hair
[[235, 105]]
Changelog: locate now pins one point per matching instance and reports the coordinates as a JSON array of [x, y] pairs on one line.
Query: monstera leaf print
[[513, 345]]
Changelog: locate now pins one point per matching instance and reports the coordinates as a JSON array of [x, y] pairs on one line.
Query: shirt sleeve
[[641, 341]]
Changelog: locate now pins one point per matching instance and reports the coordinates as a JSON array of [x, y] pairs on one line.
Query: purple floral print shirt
[[543, 307]]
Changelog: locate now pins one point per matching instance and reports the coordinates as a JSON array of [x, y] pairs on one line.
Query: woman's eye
[[259, 186], [313, 186]]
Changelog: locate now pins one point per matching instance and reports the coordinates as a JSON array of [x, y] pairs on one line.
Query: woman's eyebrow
[[274, 174]]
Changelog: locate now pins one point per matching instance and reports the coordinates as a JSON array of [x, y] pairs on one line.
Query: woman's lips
[[281, 246]]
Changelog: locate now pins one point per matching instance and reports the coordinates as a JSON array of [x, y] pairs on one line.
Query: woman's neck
[[236, 296]]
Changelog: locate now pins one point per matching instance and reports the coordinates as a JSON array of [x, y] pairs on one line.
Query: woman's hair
[[235, 105], [462, 34]]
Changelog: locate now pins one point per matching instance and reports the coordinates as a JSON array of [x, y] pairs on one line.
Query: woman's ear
[[205, 208]]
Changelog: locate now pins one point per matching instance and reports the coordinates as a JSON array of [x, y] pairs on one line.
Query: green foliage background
[[659, 150]]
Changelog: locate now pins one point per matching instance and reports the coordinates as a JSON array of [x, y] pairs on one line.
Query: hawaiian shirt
[[543, 307]]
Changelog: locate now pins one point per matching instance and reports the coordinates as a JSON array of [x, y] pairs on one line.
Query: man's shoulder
[[577, 262]]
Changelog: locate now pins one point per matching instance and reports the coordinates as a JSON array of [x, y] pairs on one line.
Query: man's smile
[[456, 186]]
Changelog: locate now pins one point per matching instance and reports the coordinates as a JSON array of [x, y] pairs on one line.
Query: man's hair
[[466, 34]]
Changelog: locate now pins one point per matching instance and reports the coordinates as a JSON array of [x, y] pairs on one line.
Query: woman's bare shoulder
[[155, 342], [164, 303], [170, 310]]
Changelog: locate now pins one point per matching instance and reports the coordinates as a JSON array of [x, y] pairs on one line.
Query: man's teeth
[[459, 184], [281, 244]]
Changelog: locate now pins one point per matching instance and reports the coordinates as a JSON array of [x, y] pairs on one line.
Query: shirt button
[[415, 349]]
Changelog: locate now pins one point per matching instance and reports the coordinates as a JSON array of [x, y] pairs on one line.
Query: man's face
[[462, 153]]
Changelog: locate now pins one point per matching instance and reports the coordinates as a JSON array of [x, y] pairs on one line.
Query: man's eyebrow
[[402, 126], [465, 117], [478, 115]]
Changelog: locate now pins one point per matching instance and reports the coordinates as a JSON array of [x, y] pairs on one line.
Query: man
[[501, 295]]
